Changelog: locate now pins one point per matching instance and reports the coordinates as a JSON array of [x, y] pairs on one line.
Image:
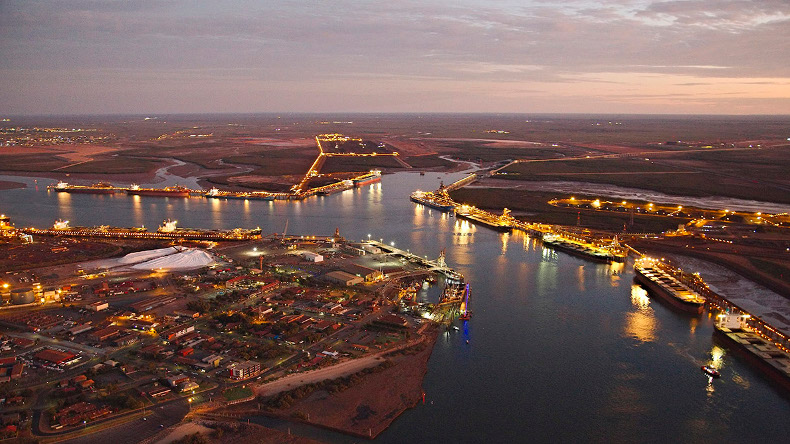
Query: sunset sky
[[618, 56]]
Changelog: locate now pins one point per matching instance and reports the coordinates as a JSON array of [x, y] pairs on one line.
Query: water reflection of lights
[[463, 231], [716, 356], [548, 255], [137, 210], [216, 211], [617, 268], [639, 297], [505, 238], [641, 325]]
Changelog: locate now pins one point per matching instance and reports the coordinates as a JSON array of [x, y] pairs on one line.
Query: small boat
[[455, 328], [711, 371]]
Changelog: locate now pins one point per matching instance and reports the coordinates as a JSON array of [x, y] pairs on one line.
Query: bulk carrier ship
[[167, 230], [773, 360], [600, 254], [372, 177], [252, 195], [662, 284], [433, 200], [176, 191], [97, 188]]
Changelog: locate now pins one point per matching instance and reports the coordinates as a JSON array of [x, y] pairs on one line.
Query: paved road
[[137, 430]]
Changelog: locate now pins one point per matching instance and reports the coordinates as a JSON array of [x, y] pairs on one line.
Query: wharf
[[434, 265]]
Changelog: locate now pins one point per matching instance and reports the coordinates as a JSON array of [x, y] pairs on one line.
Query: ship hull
[[483, 222], [268, 198], [663, 295], [364, 182], [575, 252], [769, 371], [157, 193], [432, 205], [87, 190]]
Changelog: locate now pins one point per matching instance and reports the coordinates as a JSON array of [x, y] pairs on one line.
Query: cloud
[[413, 45]]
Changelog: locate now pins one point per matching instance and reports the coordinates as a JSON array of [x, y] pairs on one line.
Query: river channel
[[559, 349]]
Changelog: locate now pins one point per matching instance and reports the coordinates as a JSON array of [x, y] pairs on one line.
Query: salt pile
[[147, 255], [187, 259]]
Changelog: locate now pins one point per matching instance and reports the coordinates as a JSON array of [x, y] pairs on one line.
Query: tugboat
[[711, 371], [465, 313]]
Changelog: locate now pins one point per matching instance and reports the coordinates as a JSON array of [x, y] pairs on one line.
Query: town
[[89, 345]]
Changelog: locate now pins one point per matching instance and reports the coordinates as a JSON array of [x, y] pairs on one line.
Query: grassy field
[[238, 392], [770, 268], [485, 152], [31, 162], [428, 161], [119, 165], [343, 164], [671, 176]]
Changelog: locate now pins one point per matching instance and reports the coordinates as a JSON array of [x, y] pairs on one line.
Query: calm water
[[560, 349]]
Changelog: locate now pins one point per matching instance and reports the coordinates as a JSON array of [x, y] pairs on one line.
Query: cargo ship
[[336, 187], [432, 200], [372, 177], [176, 191], [580, 249], [660, 283], [97, 188], [167, 230], [734, 332], [252, 195], [503, 223]]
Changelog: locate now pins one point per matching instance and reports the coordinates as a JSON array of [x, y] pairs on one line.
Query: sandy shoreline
[[375, 398]]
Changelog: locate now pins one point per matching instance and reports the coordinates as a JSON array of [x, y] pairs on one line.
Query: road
[[138, 429]]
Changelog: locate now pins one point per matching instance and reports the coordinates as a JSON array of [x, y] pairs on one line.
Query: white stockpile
[[186, 259]]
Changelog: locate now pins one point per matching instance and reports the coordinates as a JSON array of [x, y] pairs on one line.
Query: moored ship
[[581, 249], [175, 191], [371, 177], [503, 223], [735, 332], [167, 230], [97, 188], [662, 284], [432, 200], [252, 195]]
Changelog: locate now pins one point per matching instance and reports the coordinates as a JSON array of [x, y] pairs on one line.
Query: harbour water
[[560, 349]]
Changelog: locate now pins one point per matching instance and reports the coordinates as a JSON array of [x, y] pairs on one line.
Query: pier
[[555, 236]]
